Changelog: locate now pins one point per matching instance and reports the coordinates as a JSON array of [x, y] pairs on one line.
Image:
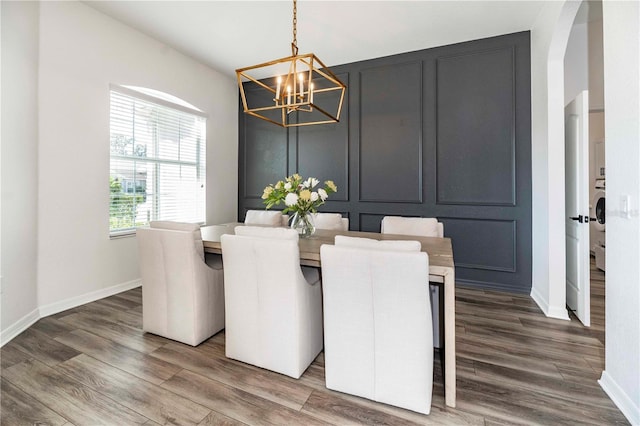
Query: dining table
[[441, 269]]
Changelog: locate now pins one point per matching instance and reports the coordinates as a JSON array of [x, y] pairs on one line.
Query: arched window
[[158, 150]]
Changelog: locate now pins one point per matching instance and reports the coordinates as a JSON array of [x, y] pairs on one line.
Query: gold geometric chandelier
[[298, 90]]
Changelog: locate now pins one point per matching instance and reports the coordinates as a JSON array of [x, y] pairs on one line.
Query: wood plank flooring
[[93, 365]]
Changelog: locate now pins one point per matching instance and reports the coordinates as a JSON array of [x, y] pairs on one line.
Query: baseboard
[[484, 285], [63, 305], [620, 398], [549, 311], [28, 320], [19, 326]]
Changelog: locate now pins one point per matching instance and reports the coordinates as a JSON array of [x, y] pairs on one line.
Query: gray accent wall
[[442, 132]]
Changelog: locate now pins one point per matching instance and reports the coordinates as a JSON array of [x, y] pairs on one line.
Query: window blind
[[157, 168]]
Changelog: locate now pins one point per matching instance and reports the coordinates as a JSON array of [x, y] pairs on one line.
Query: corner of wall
[[20, 50], [18, 327], [620, 398], [549, 311]]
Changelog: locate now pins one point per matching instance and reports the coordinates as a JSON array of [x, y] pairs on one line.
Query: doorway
[[583, 70]]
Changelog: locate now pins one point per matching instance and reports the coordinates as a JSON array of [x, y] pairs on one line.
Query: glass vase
[[303, 224]]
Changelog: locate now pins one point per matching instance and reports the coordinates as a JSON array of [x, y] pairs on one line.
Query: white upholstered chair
[[273, 306], [420, 226], [377, 321], [423, 227], [265, 217], [331, 221], [182, 296]]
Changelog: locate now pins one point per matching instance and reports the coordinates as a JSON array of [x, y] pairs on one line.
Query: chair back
[[425, 227], [269, 303], [377, 324], [194, 228], [343, 240], [264, 217], [330, 221], [419, 226]]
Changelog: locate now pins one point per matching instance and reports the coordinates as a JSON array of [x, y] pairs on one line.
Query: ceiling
[[231, 34]]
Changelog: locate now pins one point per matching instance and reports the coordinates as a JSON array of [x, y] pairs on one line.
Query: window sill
[[122, 234]]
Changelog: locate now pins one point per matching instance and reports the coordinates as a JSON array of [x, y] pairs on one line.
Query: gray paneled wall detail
[[494, 247], [391, 133], [265, 153], [476, 120], [442, 132], [323, 151], [370, 222]]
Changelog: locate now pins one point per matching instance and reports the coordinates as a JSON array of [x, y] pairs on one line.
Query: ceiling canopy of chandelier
[[301, 91]]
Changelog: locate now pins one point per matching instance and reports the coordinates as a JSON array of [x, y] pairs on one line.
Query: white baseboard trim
[[549, 311], [19, 326], [620, 398], [53, 308], [63, 305]]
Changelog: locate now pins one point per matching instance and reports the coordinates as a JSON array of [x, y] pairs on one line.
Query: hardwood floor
[[93, 365]]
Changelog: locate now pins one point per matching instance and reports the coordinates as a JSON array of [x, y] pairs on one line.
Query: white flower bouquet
[[298, 195]]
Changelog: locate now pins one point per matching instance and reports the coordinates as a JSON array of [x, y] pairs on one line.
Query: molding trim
[[514, 248], [511, 49], [63, 305], [620, 398], [486, 285], [549, 311], [18, 327], [43, 311], [418, 65]]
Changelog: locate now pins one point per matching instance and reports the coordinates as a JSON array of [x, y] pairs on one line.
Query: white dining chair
[[265, 217], [377, 321], [182, 296], [423, 227], [330, 221], [419, 226], [273, 306]]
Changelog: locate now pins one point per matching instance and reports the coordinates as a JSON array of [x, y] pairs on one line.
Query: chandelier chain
[[294, 43]]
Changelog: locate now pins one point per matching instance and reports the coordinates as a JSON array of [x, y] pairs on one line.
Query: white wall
[[19, 176], [596, 69], [81, 52], [621, 378], [549, 37], [576, 63]]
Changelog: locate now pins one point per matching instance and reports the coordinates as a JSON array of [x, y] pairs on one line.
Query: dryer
[[598, 223]]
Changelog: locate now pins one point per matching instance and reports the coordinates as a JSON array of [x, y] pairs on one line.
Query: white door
[[576, 122]]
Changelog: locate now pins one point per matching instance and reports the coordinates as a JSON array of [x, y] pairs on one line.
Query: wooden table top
[[439, 249]]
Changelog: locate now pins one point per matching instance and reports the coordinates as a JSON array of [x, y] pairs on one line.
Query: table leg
[[443, 345], [450, 338]]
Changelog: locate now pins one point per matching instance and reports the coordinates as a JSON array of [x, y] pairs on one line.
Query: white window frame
[[162, 100]]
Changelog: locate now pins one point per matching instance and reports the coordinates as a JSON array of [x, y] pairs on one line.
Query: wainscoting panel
[[323, 151], [442, 132], [263, 156], [494, 243], [476, 119], [370, 222], [391, 133]]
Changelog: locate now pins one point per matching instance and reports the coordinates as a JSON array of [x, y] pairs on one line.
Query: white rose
[[323, 194], [314, 182], [291, 199], [287, 186], [314, 196]]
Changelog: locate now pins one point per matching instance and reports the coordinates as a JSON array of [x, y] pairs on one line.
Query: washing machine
[[598, 222]]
